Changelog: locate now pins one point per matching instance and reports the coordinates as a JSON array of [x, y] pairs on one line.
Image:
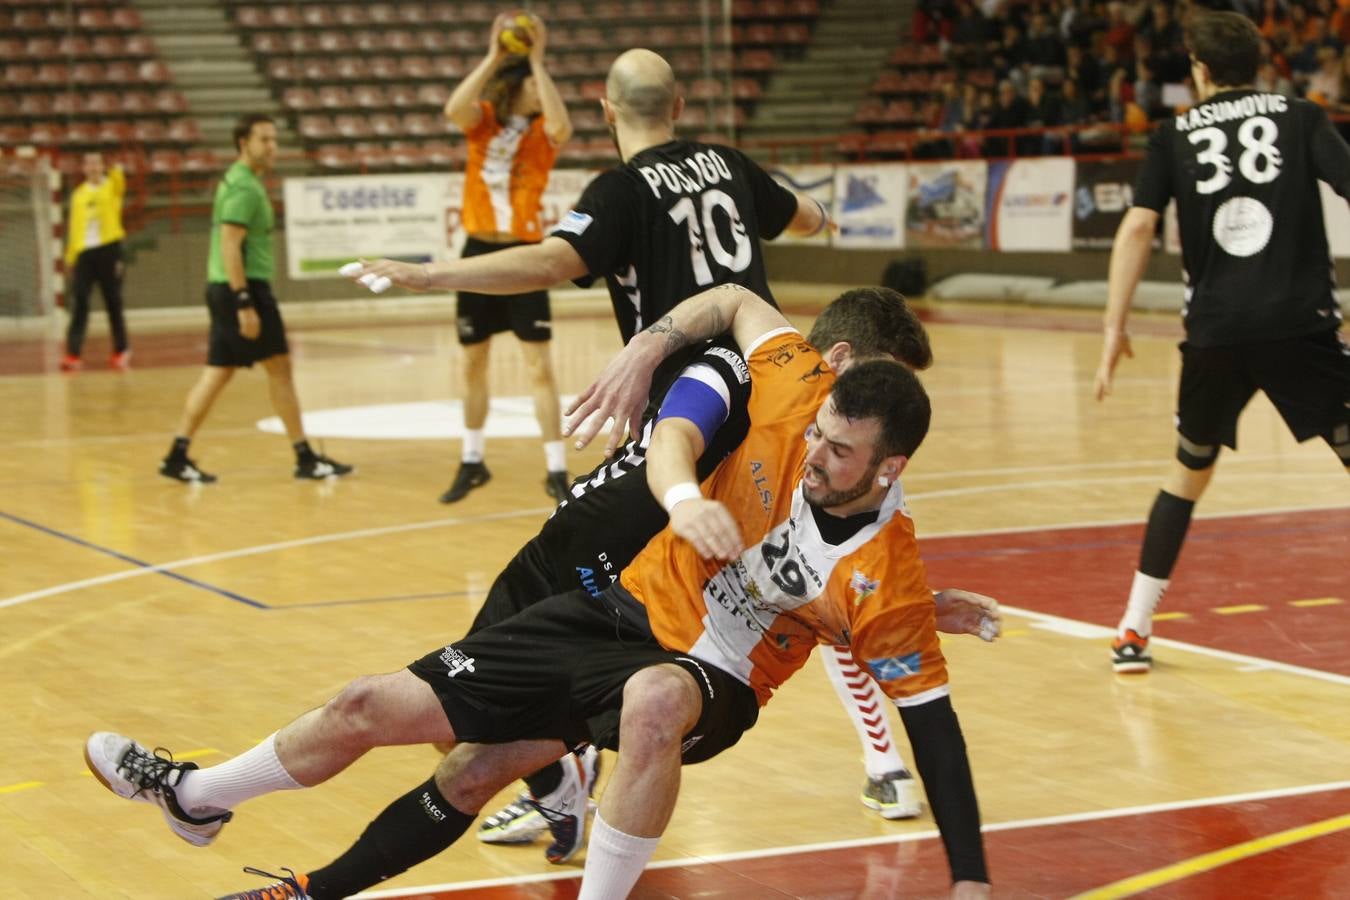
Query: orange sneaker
[[285, 888], [120, 361], [1129, 653], [71, 363]]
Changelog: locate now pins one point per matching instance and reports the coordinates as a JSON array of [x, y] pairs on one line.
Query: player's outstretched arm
[[517, 270], [966, 612], [620, 392], [672, 476], [1129, 256], [557, 122], [810, 219]]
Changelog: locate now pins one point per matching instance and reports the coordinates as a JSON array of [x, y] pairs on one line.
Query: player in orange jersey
[[514, 122]]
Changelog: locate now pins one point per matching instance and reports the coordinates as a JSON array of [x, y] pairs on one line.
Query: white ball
[[351, 269], [380, 284]]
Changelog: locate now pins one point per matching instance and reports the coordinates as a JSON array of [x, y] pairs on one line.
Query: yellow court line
[[1136, 884], [1241, 608], [1170, 616], [1316, 601], [20, 786]]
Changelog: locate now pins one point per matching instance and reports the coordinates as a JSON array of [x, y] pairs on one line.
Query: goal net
[[28, 244]]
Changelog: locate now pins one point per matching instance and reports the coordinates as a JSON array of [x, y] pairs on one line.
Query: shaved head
[[641, 87]]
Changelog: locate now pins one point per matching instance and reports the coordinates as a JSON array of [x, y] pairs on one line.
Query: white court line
[[265, 548], [908, 837], [1114, 479]]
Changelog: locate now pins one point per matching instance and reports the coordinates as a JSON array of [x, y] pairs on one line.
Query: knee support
[[1196, 457]]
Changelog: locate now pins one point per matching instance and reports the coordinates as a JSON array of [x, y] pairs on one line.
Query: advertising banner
[[945, 204], [1029, 205], [1103, 191], [816, 182], [869, 206], [415, 217]]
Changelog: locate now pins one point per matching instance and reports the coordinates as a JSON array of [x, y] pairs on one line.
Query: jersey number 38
[[1259, 162]]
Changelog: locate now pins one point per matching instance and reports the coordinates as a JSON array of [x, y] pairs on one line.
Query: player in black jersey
[[1260, 312]]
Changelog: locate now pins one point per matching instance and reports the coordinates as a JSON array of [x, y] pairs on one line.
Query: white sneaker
[[516, 823], [568, 806], [130, 771], [894, 795]]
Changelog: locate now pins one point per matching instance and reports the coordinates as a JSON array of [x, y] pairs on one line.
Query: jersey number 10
[[1259, 162], [737, 258]]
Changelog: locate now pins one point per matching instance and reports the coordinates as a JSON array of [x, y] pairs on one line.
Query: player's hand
[[499, 24], [1115, 344], [620, 393], [412, 276], [970, 890], [540, 39], [965, 612], [707, 525], [250, 326]]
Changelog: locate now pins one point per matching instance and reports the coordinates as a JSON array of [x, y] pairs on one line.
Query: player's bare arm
[[517, 270], [462, 107], [672, 477], [966, 612], [1129, 256], [557, 123], [232, 255], [810, 219]]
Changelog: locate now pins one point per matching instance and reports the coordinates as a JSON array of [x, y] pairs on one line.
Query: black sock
[[545, 781], [303, 452], [1167, 524], [413, 828], [179, 448]]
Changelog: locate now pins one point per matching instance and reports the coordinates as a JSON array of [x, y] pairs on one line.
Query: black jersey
[[1243, 167], [610, 514], [674, 220]]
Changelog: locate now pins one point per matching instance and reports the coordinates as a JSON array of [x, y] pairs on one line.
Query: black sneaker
[[185, 470], [558, 486], [469, 476], [318, 467]]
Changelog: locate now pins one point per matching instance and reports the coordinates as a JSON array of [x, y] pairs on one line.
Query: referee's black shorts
[[557, 671], [1307, 378], [226, 347], [480, 316]]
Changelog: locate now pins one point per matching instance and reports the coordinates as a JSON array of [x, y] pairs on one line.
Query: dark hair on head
[[893, 395], [243, 127], [504, 87], [1228, 44], [875, 321]]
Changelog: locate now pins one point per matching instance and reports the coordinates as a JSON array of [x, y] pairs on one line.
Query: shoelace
[[285, 887], [148, 771]]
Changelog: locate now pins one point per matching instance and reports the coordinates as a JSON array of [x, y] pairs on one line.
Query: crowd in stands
[[1120, 64]]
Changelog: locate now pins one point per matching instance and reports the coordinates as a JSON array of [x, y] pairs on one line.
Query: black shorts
[[226, 346], [527, 579], [480, 316], [558, 669], [1307, 379]]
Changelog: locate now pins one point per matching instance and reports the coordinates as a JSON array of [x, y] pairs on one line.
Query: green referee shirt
[[241, 199]]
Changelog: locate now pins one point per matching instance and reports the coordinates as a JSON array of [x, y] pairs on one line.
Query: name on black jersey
[[689, 175], [1228, 110]]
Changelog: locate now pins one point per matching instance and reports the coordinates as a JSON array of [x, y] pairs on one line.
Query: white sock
[[555, 456], [250, 774], [614, 862], [867, 708], [1145, 595], [475, 441]]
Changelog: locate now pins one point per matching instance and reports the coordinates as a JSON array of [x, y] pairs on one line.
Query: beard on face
[[825, 498]]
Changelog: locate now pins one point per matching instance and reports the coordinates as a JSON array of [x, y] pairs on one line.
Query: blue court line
[[133, 560]]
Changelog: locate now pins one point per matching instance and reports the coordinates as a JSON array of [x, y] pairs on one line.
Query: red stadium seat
[[424, 124], [352, 16], [352, 68], [300, 99], [402, 96], [336, 156], [165, 161], [370, 96], [185, 131], [385, 125], [317, 128], [201, 159], [333, 96], [352, 127], [150, 131], [334, 42]]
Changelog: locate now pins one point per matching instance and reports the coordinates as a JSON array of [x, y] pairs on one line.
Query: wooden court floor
[[203, 618]]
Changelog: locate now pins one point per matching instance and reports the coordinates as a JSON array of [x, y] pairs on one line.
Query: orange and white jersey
[[506, 173], [759, 616]]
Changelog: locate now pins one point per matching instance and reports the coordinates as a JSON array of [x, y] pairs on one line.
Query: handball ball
[[518, 36]]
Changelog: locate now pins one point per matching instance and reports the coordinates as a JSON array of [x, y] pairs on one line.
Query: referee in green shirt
[[246, 324]]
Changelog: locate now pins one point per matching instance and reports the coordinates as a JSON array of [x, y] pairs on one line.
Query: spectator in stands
[[1324, 85], [1319, 36], [1274, 16], [514, 121], [1169, 60], [970, 34], [1268, 78], [94, 254], [1119, 32], [1043, 111], [1010, 111], [1086, 73], [1044, 49]]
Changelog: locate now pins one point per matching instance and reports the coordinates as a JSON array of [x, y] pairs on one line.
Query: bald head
[[641, 88]]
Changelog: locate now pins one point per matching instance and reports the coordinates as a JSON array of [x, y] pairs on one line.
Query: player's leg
[[890, 790], [1215, 386], [82, 285], [475, 337], [1308, 380], [110, 272], [201, 396], [372, 711], [309, 463]]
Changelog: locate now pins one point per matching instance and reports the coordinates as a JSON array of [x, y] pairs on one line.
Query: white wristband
[[685, 490]]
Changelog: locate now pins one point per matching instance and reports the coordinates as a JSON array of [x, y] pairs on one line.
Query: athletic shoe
[[130, 771], [120, 361], [319, 467], [567, 807], [285, 887], [557, 486], [184, 469], [71, 363], [469, 476], [1129, 654], [894, 795], [516, 823]]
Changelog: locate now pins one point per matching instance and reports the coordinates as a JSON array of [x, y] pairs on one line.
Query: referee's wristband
[[243, 299], [685, 490]]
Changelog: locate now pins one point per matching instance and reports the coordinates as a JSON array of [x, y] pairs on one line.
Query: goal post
[[30, 228]]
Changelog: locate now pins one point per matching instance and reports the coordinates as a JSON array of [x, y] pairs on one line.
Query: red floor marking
[[1047, 861], [1085, 574]]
